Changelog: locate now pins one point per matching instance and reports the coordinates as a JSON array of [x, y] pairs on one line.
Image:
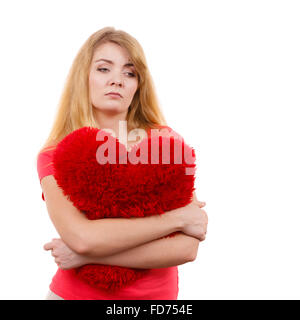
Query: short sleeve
[[45, 164]]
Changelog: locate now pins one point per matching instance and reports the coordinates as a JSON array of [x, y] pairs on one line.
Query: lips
[[112, 93]]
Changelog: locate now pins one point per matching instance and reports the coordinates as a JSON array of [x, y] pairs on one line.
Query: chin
[[112, 109]]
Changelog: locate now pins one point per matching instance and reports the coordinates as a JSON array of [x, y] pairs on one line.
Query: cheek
[[96, 89], [95, 83], [132, 89]]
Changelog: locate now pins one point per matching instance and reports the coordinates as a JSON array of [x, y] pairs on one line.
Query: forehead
[[113, 52]]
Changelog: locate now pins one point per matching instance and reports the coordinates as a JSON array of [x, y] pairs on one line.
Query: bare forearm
[[161, 253], [109, 236]]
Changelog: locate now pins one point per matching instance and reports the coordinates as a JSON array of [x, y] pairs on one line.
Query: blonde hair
[[75, 109]]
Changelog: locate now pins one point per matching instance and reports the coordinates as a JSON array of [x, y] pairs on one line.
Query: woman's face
[[113, 75]]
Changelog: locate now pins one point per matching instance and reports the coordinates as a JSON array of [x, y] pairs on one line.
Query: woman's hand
[[201, 204], [195, 219], [65, 257]]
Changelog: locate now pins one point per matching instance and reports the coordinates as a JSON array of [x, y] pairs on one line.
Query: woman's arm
[[161, 253], [106, 236]]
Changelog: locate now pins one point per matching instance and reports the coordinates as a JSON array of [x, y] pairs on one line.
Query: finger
[[195, 200], [48, 246], [200, 204]]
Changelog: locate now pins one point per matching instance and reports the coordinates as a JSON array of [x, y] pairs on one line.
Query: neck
[[109, 120]]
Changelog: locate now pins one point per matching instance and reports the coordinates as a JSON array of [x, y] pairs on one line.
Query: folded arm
[[108, 236], [161, 253], [156, 253]]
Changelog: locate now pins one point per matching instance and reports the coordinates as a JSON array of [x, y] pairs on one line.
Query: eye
[[102, 69], [131, 74]]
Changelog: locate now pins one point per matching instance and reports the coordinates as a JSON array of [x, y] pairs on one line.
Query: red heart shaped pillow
[[102, 179]]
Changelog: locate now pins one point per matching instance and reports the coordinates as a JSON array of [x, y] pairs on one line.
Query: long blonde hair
[[75, 108]]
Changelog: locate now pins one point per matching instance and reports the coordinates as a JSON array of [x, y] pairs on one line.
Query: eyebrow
[[128, 64]]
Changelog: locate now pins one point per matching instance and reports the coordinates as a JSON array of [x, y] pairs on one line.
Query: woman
[[113, 61]]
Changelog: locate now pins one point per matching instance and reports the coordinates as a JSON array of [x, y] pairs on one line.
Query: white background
[[227, 74]]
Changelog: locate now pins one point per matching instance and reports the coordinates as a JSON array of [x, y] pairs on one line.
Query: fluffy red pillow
[[118, 189]]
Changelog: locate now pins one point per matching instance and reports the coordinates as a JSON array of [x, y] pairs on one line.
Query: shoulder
[[44, 161], [45, 154]]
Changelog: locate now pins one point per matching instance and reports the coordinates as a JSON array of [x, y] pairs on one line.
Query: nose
[[117, 81]]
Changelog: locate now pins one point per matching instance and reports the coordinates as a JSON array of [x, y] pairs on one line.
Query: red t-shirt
[[160, 284]]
